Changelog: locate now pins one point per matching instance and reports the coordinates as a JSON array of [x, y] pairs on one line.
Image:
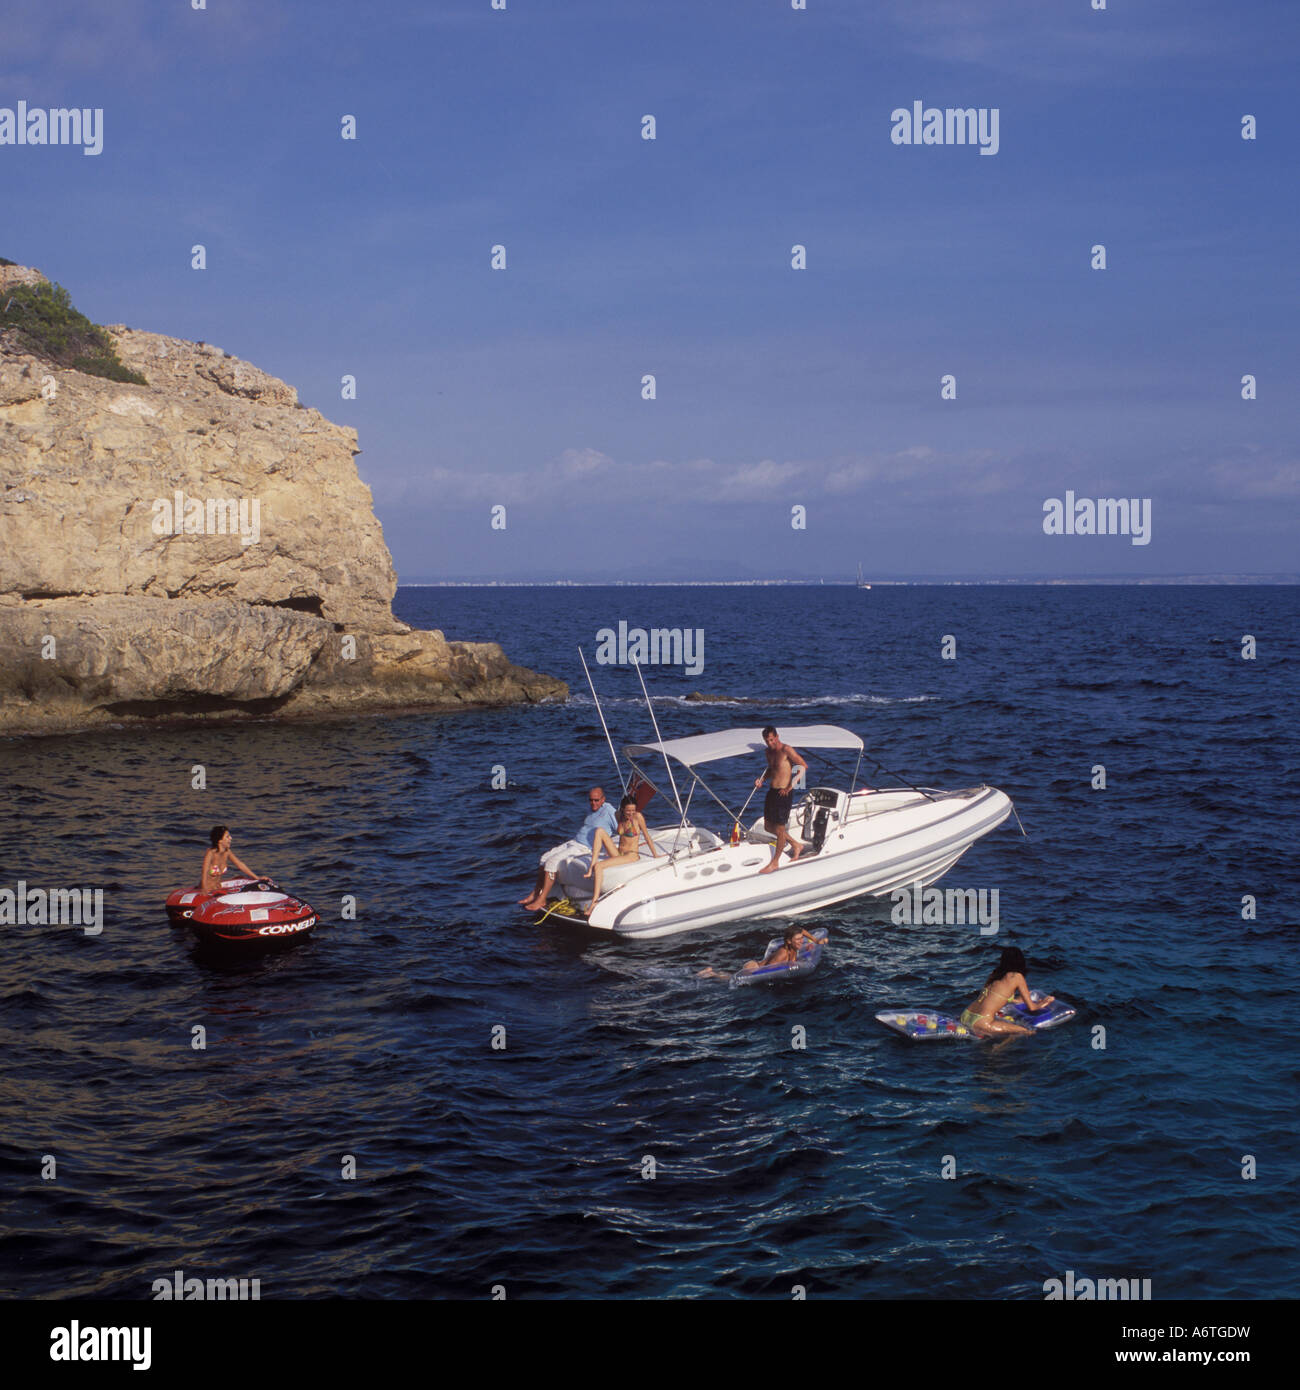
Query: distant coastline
[[1191, 580]]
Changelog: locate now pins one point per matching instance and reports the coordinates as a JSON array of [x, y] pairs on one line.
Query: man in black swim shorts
[[776, 808], [781, 763]]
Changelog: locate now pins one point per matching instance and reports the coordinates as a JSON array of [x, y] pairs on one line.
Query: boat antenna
[[659, 739], [603, 725]]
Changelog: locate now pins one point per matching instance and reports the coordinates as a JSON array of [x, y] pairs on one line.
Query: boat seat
[[758, 835], [672, 840]]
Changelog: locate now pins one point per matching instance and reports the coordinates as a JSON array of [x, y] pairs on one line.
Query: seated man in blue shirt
[[602, 815]]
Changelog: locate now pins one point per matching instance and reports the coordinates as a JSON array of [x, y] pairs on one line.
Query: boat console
[[820, 812]]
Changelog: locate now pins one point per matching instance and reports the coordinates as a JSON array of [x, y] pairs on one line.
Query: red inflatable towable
[[183, 902], [244, 912]]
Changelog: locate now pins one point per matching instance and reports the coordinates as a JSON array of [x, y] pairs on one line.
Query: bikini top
[[990, 985]]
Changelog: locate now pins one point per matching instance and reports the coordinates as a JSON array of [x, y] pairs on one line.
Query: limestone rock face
[[19, 382], [99, 465], [202, 546], [11, 275]]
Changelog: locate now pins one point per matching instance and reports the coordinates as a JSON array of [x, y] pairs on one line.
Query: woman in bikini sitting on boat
[[1000, 989], [631, 827]]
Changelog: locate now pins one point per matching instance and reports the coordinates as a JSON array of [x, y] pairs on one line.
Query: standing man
[[602, 815], [781, 763]]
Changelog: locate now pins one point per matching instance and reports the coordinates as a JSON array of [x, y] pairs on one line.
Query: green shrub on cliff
[[45, 324]]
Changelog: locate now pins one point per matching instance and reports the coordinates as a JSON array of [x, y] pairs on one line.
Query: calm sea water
[[774, 1166]]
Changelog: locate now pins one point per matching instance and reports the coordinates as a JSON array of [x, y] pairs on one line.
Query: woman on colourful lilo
[[1003, 986]]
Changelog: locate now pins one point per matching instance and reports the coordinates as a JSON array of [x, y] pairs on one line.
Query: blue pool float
[[808, 959]]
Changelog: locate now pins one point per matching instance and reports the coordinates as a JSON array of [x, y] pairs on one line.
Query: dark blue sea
[[774, 1166]]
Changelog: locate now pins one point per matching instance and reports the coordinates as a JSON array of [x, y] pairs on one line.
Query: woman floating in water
[[218, 859], [631, 827], [1002, 986], [794, 941]]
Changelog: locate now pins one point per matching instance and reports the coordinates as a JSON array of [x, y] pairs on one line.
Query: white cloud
[[756, 481], [582, 463], [1263, 478], [918, 475], [1070, 44]]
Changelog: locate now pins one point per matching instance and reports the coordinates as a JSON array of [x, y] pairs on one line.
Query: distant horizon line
[[1135, 581]]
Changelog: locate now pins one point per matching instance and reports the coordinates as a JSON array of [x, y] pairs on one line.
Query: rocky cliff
[[199, 547]]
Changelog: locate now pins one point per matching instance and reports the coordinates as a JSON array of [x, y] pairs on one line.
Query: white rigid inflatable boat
[[856, 843]]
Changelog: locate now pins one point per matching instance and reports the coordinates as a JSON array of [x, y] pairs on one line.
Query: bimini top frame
[[736, 743]]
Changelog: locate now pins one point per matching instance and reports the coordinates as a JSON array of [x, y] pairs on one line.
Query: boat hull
[[872, 855]]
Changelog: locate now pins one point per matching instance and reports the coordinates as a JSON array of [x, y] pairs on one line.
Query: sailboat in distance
[[862, 584]]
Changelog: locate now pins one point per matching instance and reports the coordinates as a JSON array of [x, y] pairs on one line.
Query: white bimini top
[[742, 743]]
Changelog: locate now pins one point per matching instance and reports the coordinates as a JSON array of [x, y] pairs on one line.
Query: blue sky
[[776, 387]]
